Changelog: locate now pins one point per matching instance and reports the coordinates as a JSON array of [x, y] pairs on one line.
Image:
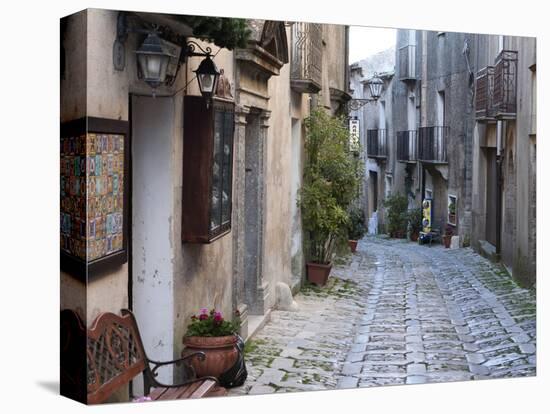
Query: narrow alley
[[397, 313]]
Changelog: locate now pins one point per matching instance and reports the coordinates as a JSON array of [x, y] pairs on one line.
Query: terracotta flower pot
[[447, 241], [352, 245], [317, 273], [414, 236], [221, 353]]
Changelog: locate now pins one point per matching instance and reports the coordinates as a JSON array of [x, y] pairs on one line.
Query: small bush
[[396, 214], [356, 224], [414, 218]]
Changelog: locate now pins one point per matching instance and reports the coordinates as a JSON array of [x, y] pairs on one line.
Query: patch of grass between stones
[[335, 287]]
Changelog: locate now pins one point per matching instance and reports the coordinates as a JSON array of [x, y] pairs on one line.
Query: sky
[[366, 41]]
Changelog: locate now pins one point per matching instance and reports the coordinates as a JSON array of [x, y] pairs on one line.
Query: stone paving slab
[[397, 313]]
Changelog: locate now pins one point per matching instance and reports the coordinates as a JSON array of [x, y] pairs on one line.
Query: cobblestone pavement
[[397, 313]]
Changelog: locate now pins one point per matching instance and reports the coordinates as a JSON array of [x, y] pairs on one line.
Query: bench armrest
[[157, 364]]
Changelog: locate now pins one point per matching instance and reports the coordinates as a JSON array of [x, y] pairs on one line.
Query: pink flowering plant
[[212, 323]]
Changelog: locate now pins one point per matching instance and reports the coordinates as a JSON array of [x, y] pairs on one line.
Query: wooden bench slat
[[180, 392], [203, 390], [157, 393], [217, 391]]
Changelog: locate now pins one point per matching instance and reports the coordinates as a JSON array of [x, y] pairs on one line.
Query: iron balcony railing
[[306, 63], [376, 143], [484, 94], [407, 146], [505, 85], [407, 63], [432, 144]]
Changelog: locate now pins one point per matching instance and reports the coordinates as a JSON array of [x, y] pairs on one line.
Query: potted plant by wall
[[356, 227], [332, 176], [210, 333], [414, 223], [396, 215], [449, 232]]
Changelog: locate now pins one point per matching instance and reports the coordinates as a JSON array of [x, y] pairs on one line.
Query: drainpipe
[[500, 145], [423, 105], [500, 134]]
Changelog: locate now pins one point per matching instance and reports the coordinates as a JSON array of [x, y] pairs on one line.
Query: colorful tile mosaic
[[92, 182], [73, 195]]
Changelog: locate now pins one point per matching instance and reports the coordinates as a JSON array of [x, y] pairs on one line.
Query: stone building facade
[[375, 121], [285, 69], [504, 153], [461, 137]]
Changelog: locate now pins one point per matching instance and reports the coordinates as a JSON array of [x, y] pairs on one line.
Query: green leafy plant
[[332, 176], [212, 324], [356, 224], [223, 31], [396, 214], [414, 219]]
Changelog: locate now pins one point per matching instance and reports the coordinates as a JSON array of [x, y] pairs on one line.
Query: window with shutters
[[207, 169]]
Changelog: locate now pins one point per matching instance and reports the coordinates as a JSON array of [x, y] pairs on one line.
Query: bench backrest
[[115, 354]]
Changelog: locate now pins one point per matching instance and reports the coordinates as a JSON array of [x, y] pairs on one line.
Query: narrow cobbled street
[[397, 313]]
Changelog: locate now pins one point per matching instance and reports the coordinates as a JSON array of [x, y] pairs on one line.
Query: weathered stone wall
[[448, 73], [336, 63], [73, 106], [524, 250], [278, 178]]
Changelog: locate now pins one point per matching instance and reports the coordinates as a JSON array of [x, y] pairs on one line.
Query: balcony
[[505, 85], [432, 144], [485, 110], [407, 63], [376, 143], [407, 146], [307, 47]]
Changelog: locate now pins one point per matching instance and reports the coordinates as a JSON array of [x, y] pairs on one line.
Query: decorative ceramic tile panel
[[105, 159], [73, 195], [92, 183]]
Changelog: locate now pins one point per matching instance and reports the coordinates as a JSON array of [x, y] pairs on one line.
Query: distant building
[[456, 123]]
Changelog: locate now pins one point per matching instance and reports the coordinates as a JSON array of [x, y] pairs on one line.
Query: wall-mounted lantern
[[153, 58], [159, 60], [207, 73], [376, 85], [207, 76]]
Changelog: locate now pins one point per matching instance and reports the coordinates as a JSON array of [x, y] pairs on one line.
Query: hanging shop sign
[[354, 135]]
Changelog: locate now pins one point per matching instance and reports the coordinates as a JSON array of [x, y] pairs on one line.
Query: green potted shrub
[[414, 217], [396, 215], [332, 176], [356, 227], [210, 333]]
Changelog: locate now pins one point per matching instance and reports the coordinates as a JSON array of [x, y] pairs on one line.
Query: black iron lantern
[[375, 86], [153, 57], [207, 76]]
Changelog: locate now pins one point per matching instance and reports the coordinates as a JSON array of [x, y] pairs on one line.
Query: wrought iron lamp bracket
[[191, 47], [355, 104]]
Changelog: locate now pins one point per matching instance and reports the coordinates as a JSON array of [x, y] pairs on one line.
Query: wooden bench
[[115, 355], [433, 236]]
